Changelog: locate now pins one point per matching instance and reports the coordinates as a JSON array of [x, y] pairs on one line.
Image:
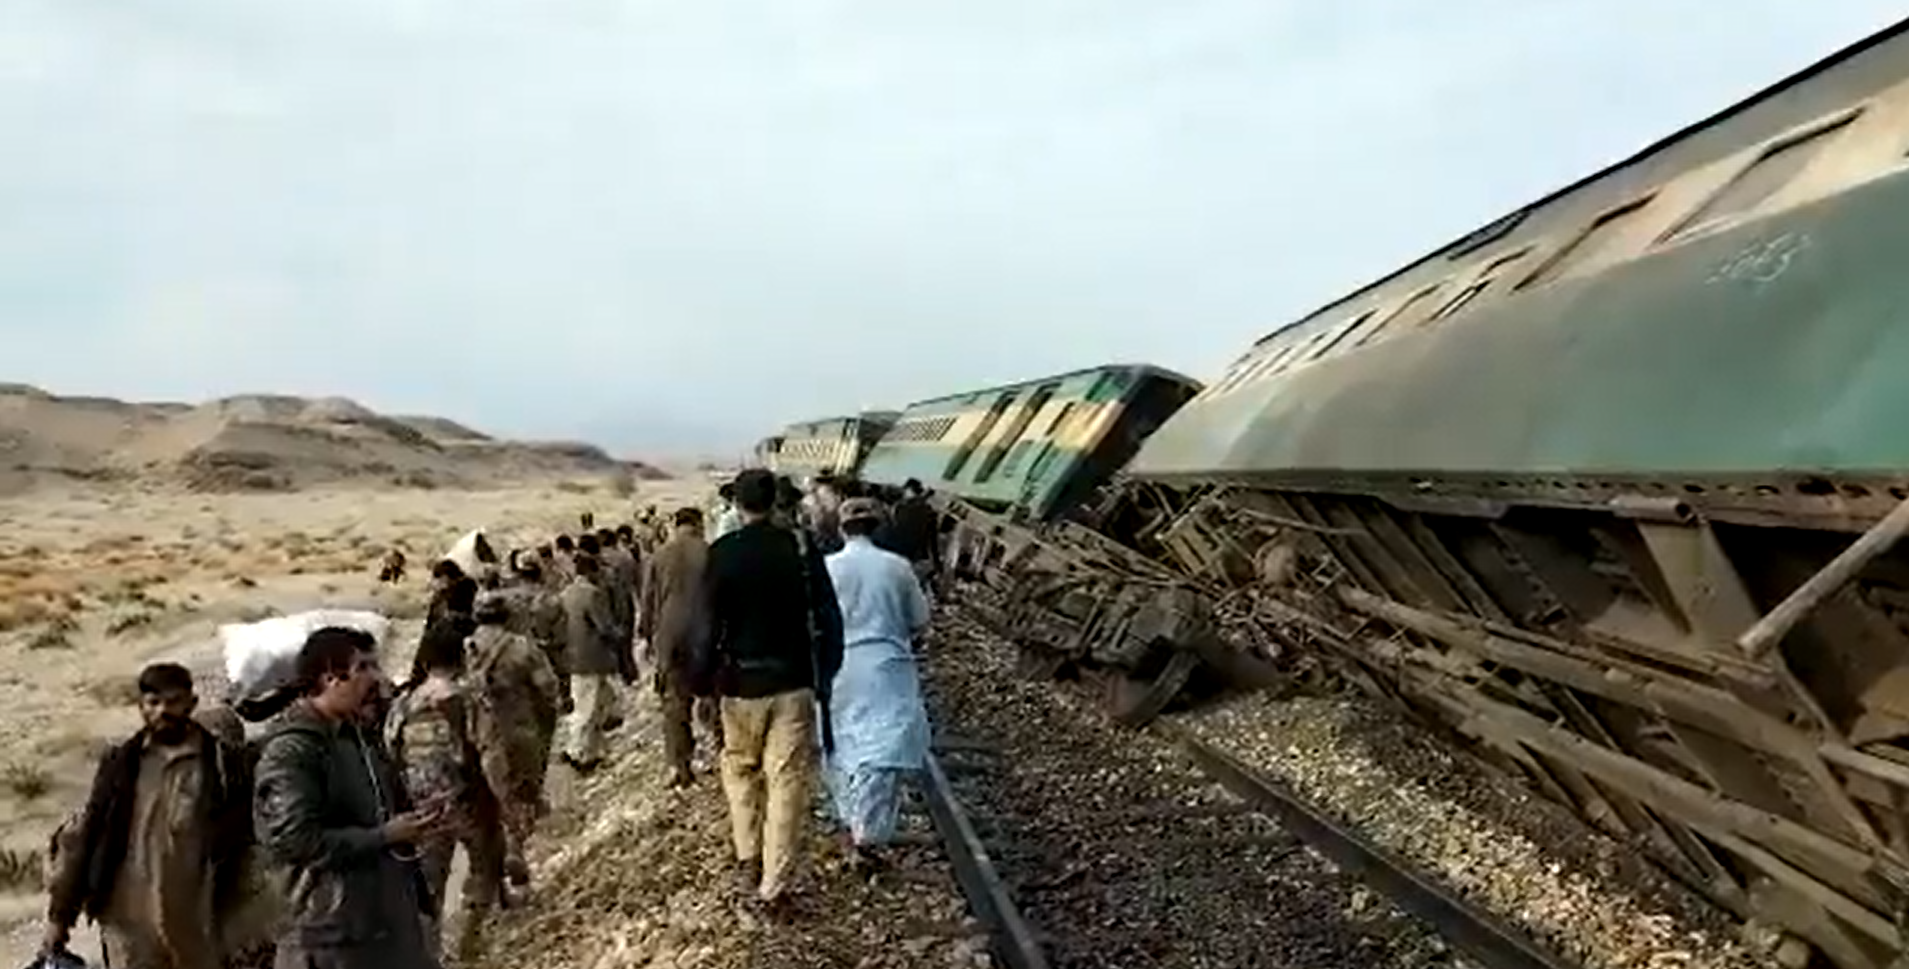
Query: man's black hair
[[688, 516], [587, 545], [626, 533], [331, 651], [447, 569], [164, 678], [441, 648], [726, 491], [788, 496], [912, 486], [860, 527], [461, 595], [606, 538], [756, 491], [586, 563], [566, 544]]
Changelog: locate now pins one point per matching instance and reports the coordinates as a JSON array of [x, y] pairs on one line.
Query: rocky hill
[[266, 442]]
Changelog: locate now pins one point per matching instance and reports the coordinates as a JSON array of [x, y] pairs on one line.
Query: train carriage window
[[976, 436], [1066, 411], [1235, 376], [1303, 353], [1487, 278], [1016, 456], [1774, 168], [1015, 432], [1343, 332], [1593, 241], [1406, 313]]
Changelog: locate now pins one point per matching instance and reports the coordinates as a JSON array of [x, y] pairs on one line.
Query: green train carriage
[[833, 445], [1585, 487], [1038, 448]]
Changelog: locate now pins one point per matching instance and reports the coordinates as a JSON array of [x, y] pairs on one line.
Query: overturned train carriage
[[1611, 490], [1038, 448], [1021, 470]]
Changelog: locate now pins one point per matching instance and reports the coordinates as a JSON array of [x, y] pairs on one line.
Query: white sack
[[263, 656], [464, 553]]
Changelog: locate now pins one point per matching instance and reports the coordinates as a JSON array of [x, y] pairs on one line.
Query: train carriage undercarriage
[[1732, 698]]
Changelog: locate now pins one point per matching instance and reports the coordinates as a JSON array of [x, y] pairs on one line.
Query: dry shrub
[[127, 620], [27, 602], [21, 870], [28, 782], [113, 691], [575, 487], [57, 634]]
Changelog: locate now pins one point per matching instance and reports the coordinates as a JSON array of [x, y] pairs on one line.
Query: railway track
[[1083, 845]]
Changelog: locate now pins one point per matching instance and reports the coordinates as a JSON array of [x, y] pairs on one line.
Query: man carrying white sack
[[881, 727]]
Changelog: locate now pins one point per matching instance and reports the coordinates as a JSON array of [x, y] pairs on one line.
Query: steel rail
[[1480, 934], [1014, 943]]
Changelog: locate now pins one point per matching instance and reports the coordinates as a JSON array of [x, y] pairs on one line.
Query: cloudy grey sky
[[677, 224]]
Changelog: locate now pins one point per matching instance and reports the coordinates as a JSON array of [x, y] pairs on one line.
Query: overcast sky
[[679, 224]]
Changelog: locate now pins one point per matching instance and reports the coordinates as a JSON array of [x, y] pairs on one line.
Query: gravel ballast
[[1120, 853]]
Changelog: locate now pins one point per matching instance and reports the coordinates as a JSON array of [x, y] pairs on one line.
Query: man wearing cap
[[516, 702], [881, 726]]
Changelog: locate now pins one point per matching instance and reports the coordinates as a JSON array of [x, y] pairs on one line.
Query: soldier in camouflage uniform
[[536, 615], [432, 735], [516, 698]]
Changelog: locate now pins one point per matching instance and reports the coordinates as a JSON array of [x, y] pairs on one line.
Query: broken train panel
[[1569, 489]]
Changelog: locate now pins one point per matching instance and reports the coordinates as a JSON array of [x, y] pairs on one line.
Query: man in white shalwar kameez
[[881, 727]]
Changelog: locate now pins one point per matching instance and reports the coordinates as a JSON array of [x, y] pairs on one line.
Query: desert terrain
[[127, 537]]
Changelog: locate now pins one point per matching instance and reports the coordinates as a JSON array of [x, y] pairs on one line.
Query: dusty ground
[[96, 583]]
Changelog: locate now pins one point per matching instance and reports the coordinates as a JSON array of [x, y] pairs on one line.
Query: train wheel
[[1135, 703]]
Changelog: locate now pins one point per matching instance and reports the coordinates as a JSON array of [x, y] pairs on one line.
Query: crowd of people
[[787, 640]]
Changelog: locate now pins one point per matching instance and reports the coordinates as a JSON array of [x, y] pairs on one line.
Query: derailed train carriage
[[1608, 489], [1586, 488], [832, 445], [1035, 449]]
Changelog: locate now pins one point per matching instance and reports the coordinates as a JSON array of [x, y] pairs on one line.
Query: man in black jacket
[[774, 640], [155, 856], [913, 531], [332, 814]]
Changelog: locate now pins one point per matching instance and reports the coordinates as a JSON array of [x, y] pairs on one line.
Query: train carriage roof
[[1138, 369], [1837, 79]]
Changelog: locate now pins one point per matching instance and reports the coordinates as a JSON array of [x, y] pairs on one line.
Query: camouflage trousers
[[482, 837], [514, 769]]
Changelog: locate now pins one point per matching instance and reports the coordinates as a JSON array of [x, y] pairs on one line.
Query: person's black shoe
[[866, 861]]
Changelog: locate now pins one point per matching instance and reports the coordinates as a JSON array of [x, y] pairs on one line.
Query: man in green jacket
[[332, 814]]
